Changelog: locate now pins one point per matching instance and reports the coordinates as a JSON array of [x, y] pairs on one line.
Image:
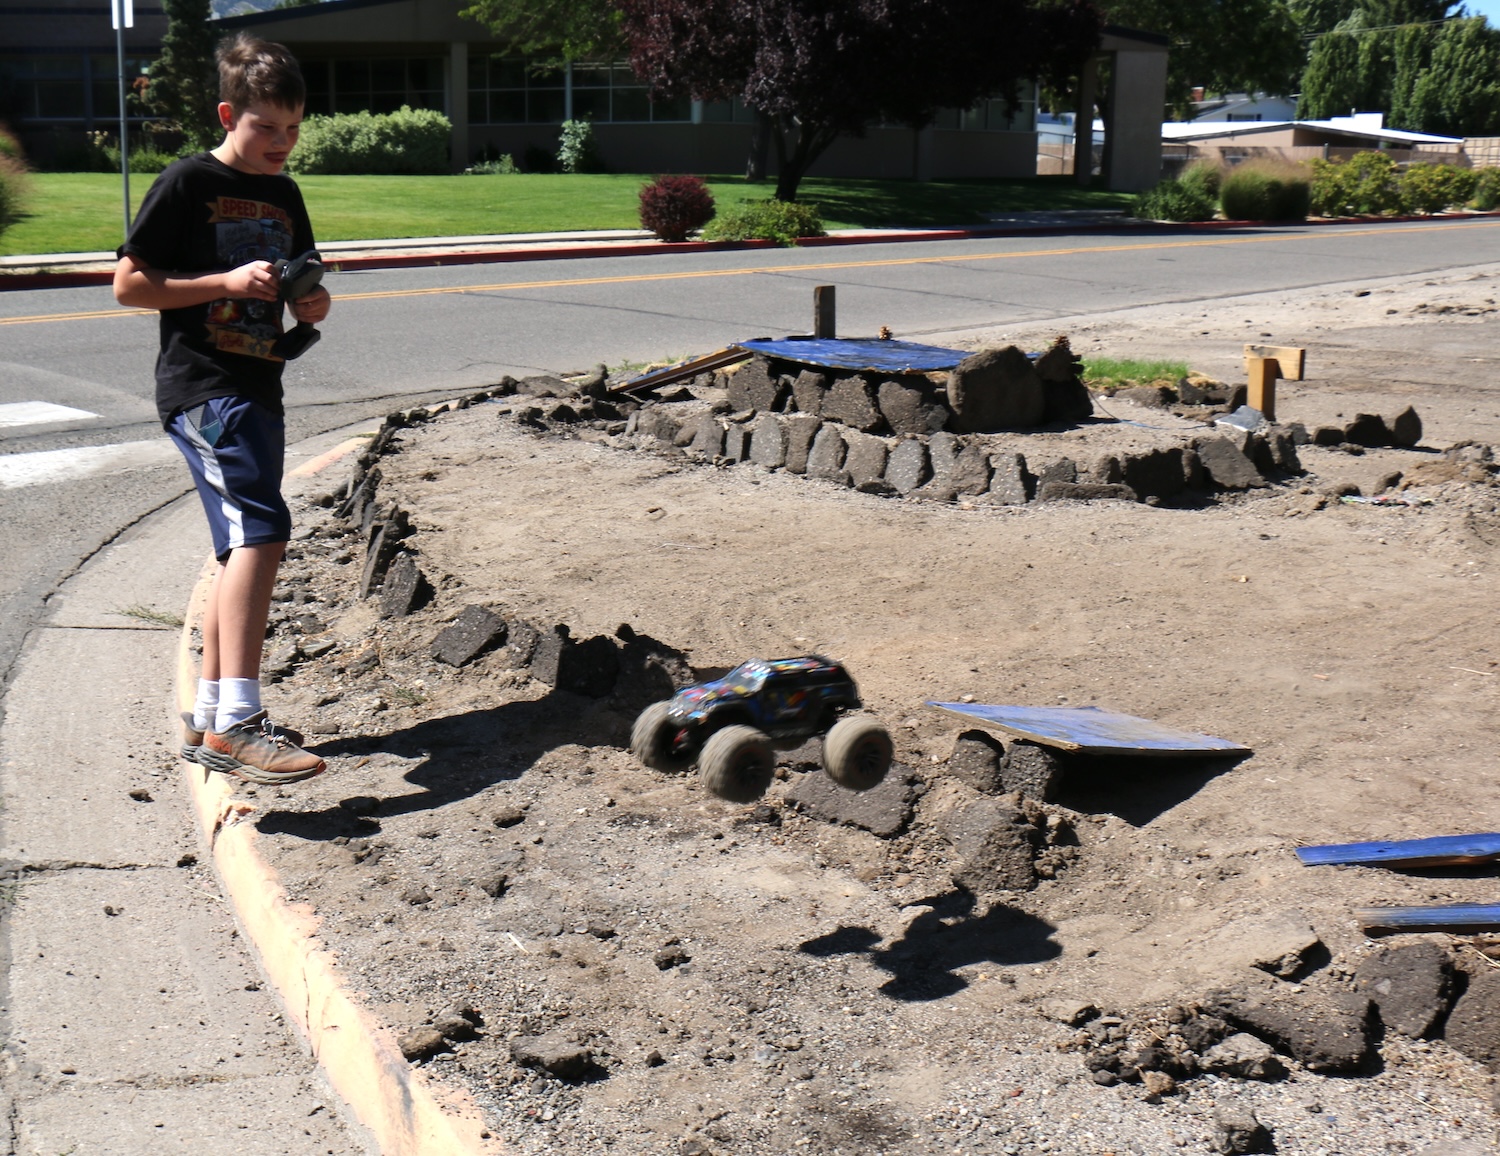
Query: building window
[[79, 89], [376, 84], [510, 90], [990, 116]]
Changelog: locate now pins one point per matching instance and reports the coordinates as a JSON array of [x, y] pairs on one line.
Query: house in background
[[1239, 106], [1337, 138], [58, 80]]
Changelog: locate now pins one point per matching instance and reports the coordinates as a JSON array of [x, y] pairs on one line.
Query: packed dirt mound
[[985, 954]]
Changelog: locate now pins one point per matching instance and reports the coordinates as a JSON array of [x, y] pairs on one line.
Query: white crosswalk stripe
[[36, 469], [19, 413]]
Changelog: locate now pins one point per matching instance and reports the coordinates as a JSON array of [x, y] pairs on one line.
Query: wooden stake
[[823, 310]]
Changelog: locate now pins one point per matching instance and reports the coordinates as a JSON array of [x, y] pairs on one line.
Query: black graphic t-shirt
[[201, 216]]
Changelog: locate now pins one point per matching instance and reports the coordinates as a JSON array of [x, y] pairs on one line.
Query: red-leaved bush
[[673, 207]]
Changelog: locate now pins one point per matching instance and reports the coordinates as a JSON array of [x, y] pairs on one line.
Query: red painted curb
[[16, 281]]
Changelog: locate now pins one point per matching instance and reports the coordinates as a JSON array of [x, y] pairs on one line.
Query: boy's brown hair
[[254, 71]]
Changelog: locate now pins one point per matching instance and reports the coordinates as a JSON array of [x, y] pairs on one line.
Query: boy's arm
[[140, 285]]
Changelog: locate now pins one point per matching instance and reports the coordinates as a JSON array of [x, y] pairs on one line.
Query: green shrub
[[1203, 177], [1364, 185], [1172, 201], [13, 190], [10, 147], [502, 165], [784, 222], [1486, 190], [1428, 188], [408, 141], [1266, 191], [576, 150]]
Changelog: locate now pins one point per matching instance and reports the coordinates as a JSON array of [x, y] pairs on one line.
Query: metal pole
[[124, 140]]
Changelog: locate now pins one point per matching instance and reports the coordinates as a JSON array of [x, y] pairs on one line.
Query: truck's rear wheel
[[653, 740], [737, 764], [857, 752]]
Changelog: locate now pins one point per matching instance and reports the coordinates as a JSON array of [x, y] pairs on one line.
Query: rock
[[456, 1026], [1031, 770], [554, 1053], [708, 439], [1071, 1012], [1158, 1083], [1326, 435], [1062, 470], [1278, 942], [380, 548], [655, 422], [282, 660], [509, 816], [1473, 1026], [543, 385], [475, 630], [1244, 1057], [808, 390], [909, 405], [801, 430], [670, 956], [1150, 396], [1283, 447], [1368, 430], [1325, 1032], [1201, 1032], [1229, 469], [994, 840], [971, 471], [649, 670], [907, 468], [768, 442], [1405, 428], [942, 454], [852, 401], [1066, 398], [976, 761], [420, 1043], [1107, 470], [1011, 483], [753, 385], [995, 389], [1084, 492], [736, 442], [826, 458], [405, 589], [1409, 986], [588, 667], [864, 458], [884, 810], [416, 895], [1236, 1131], [1157, 474]]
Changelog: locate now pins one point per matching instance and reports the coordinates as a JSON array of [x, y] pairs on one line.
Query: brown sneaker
[[192, 738], [258, 752]]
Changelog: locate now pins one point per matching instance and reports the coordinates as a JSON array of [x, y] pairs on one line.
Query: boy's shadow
[[924, 962], [461, 756]]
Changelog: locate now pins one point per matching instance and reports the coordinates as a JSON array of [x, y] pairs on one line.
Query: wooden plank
[[1260, 390], [1290, 359], [683, 370], [1090, 730], [1439, 851], [824, 306], [1456, 916]]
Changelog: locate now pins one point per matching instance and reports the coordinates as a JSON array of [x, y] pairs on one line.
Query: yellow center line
[[889, 262]]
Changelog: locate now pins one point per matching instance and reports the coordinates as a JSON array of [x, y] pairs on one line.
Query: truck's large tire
[[651, 741], [857, 752], [737, 764]]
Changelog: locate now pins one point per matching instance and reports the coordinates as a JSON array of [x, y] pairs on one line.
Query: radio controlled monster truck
[[731, 726]]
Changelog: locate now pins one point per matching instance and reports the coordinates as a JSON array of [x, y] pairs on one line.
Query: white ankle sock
[[239, 698], [205, 706]]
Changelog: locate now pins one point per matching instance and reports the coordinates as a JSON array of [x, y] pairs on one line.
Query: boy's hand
[[256, 280], [314, 307]]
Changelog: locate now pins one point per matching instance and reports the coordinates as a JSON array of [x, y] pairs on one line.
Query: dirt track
[[839, 993]]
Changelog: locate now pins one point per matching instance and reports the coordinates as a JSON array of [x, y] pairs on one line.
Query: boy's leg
[[241, 598]]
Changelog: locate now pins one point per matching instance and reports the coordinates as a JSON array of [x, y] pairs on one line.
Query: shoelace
[[272, 732]]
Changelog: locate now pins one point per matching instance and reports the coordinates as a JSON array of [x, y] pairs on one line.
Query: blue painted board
[[872, 354], [1439, 851], [1469, 916], [1090, 730]]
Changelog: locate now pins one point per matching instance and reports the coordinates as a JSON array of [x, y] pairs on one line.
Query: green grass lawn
[[83, 212]]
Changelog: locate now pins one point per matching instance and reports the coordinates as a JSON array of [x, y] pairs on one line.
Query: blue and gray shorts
[[236, 450]]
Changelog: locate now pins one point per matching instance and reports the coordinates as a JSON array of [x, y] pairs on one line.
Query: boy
[[201, 251]]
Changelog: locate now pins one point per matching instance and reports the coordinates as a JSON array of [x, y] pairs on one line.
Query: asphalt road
[[397, 337]]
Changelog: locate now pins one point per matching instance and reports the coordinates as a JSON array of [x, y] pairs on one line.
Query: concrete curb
[[543, 251], [358, 1055]]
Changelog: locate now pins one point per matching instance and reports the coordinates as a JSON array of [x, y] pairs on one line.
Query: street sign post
[[122, 15]]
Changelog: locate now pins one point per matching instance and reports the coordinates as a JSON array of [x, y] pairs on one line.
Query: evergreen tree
[[184, 86], [1331, 84], [1459, 95]]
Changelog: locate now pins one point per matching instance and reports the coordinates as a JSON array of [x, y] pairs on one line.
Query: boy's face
[[260, 139]]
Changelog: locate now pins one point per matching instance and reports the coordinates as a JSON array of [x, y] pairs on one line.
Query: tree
[[1332, 84], [570, 29], [184, 85], [1219, 45], [819, 69], [1459, 95]]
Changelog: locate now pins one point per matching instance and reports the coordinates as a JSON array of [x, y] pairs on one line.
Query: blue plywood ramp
[[1458, 916], [873, 354], [1439, 851], [1090, 730]]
